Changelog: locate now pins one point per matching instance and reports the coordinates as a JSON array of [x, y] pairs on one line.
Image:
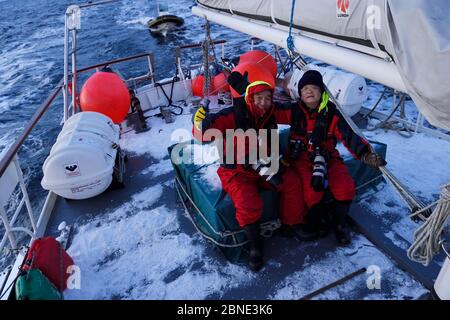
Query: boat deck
[[293, 268]]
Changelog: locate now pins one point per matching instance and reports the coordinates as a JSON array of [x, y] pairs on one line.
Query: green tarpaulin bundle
[[212, 210]]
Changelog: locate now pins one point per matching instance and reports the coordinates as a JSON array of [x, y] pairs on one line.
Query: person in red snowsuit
[[241, 181], [316, 127]]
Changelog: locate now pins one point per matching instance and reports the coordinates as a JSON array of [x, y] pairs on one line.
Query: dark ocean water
[[31, 64], [31, 61]]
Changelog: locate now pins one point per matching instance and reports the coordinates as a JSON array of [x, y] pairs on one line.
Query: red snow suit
[[242, 182], [340, 182]]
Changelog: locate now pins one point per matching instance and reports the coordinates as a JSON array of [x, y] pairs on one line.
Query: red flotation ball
[[262, 58], [197, 85], [106, 93], [256, 72], [220, 83]]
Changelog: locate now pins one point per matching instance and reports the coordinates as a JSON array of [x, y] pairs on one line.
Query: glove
[[373, 160], [238, 82], [199, 117], [296, 146]]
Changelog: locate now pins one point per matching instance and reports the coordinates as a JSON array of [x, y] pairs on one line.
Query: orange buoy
[[256, 72], [197, 85], [220, 83], [106, 93], [262, 58]]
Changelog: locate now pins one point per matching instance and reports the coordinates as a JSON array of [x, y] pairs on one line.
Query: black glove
[[238, 82], [296, 146], [373, 160]]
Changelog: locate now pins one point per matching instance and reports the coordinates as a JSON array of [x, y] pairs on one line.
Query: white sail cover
[[415, 34]]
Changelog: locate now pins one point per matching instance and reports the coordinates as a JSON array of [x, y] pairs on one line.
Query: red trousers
[[340, 182], [242, 187]]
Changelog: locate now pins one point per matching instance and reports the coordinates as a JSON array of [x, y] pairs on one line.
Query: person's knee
[[344, 190], [312, 197], [248, 216], [291, 182]]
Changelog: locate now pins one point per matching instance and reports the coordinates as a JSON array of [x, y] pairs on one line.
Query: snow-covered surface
[[140, 251], [339, 263], [209, 174]]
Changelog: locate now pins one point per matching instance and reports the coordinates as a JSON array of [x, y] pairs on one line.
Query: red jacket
[[302, 121], [239, 117]]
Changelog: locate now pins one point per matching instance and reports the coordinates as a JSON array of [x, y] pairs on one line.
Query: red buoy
[[256, 72], [262, 58], [106, 93], [220, 83], [197, 85]]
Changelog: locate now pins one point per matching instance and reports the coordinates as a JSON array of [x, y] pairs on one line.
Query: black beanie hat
[[311, 77]]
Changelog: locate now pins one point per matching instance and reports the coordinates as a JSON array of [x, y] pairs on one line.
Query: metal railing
[[10, 170], [11, 175]]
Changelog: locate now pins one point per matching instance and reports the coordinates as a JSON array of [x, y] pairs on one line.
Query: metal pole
[[334, 284], [74, 71], [66, 69], [8, 231], [150, 67], [25, 193]]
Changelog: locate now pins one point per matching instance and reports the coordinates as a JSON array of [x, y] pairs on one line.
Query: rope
[[427, 238], [225, 84], [290, 40], [207, 45], [207, 82], [267, 228], [376, 104], [221, 234], [388, 124]]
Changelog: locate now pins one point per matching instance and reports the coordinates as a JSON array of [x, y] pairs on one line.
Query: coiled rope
[[427, 238]]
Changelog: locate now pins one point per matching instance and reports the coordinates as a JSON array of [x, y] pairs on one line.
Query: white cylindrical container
[[442, 284], [81, 162], [349, 89]]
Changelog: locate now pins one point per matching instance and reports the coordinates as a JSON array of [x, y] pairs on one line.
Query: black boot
[[341, 229], [255, 261], [287, 231], [306, 232], [315, 220]]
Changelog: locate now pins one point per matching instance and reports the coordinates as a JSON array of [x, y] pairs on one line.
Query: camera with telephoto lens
[[296, 146], [264, 169], [319, 171]]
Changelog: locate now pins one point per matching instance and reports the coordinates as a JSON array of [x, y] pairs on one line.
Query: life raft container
[[349, 89], [81, 162]]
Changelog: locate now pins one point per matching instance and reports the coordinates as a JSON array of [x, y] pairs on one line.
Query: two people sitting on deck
[[312, 164]]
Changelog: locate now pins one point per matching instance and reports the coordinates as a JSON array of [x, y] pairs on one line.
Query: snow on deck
[[140, 252]]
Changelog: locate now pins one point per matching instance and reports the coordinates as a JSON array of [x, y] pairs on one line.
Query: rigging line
[[290, 40], [376, 104], [427, 238]]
